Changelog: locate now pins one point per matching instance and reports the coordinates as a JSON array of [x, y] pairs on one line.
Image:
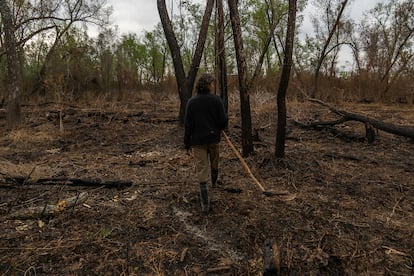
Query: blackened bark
[[246, 121], [195, 64], [176, 56], [406, 131], [284, 82], [13, 67], [221, 56], [185, 83]]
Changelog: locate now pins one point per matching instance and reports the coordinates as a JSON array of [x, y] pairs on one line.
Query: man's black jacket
[[205, 118]]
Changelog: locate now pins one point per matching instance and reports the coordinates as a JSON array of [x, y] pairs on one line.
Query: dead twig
[[392, 251], [183, 254], [218, 269], [394, 208]]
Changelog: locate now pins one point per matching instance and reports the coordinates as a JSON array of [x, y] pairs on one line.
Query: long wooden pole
[[244, 164]]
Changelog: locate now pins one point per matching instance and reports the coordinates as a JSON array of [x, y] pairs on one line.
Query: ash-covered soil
[[349, 207]]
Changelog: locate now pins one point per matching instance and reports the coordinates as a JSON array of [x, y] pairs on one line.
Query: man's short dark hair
[[203, 83]]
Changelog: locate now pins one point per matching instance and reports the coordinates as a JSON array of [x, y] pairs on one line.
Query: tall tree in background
[[61, 16], [156, 56], [106, 59], [266, 38], [275, 13], [246, 120], [388, 42], [284, 81], [13, 66], [185, 82], [265, 18], [333, 13]]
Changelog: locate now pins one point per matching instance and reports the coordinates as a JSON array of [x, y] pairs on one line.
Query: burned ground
[[349, 207]]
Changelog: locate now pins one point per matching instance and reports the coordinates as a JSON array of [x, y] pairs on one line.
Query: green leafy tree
[[132, 59], [58, 17], [157, 56], [105, 53]]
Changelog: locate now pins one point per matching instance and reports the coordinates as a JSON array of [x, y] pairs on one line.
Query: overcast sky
[[136, 16]]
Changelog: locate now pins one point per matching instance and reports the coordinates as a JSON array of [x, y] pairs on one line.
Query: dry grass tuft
[[34, 171], [31, 136]]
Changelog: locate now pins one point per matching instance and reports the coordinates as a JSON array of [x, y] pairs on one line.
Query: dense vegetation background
[[61, 60]]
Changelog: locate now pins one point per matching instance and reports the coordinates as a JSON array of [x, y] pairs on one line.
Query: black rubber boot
[[214, 176], [205, 203]]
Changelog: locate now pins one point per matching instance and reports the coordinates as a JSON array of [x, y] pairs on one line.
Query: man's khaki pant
[[206, 158]]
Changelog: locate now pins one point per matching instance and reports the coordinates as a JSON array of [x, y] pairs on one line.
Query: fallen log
[[22, 180], [346, 135], [387, 127], [49, 210]]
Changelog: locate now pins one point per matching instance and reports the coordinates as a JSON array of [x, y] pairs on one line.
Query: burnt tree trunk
[[246, 121], [221, 56], [180, 75], [185, 83], [14, 78], [284, 82]]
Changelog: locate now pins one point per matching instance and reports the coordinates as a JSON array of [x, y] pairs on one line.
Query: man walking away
[[205, 118]]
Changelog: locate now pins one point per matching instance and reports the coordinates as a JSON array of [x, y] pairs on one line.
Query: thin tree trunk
[[13, 67], [323, 53], [195, 64], [221, 55], [265, 49], [387, 78], [270, 20], [246, 121], [284, 82], [176, 57]]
